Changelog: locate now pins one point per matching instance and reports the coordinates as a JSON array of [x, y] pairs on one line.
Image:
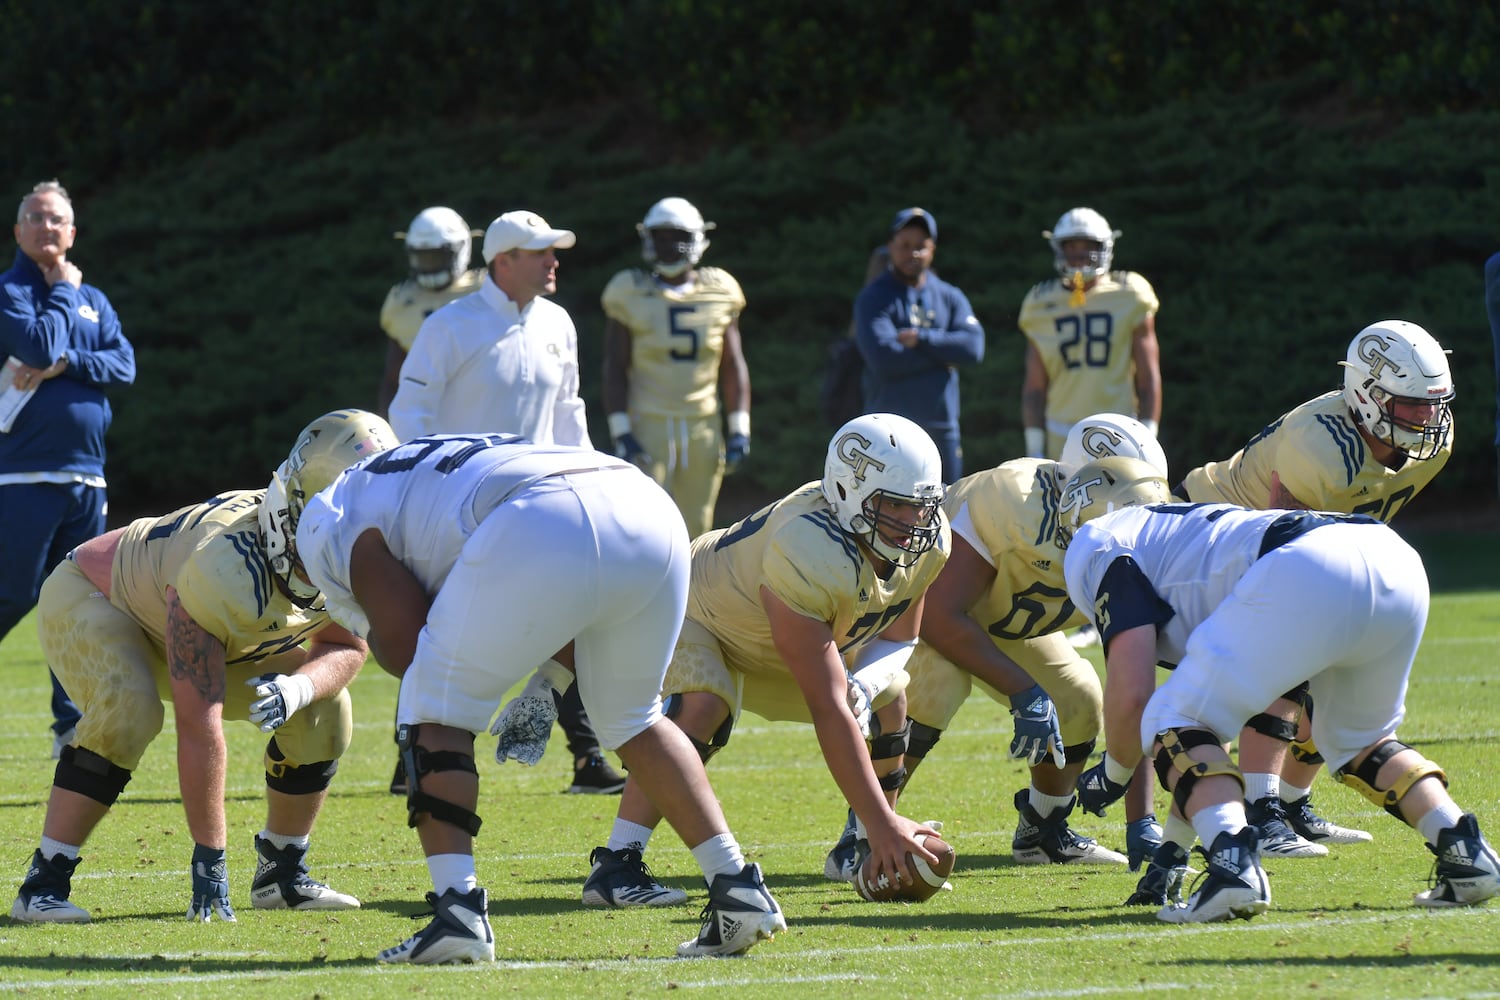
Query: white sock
[[1045, 805], [281, 841], [1210, 821], [1438, 820], [52, 848], [719, 855], [1179, 832], [1291, 793], [627, 835], [1259, 786], [452, 871]]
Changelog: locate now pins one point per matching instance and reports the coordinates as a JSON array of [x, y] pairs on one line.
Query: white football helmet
[[1105, 434], [667, 256], [1082, 224], [1104, 485], [1392, 362], [438, 243], [881, 459], [325, 448]]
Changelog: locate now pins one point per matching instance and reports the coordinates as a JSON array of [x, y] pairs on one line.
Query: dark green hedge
[[238, 174]]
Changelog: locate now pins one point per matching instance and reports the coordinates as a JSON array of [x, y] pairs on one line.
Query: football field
[[1341, 926]]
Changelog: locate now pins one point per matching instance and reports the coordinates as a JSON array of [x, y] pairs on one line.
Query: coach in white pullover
[[503, 359]]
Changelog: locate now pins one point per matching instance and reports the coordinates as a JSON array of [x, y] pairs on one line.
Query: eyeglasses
[[46, 218]]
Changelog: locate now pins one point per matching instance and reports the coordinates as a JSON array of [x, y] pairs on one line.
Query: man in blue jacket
[[914, 330], [61, 343]]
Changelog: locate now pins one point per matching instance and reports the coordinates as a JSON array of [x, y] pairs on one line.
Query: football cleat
[[282, 883], [43, 898], [1161, 885], [621, 878], [1467, 870], [1310, 826], [740, 912], [843, 861], [593, 776], [1277, 838], [1233, 886], [1050, 841], [459, 932]]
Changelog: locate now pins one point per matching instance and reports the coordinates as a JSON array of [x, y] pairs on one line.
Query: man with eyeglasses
[[62, 347]]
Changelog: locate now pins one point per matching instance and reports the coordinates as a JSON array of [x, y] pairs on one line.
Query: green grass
[[1340, 927]]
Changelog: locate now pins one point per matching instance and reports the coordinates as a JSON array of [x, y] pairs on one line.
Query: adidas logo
[[864, 596], [1042, 564], [1458, 854], [731, 927], [1229, 861]]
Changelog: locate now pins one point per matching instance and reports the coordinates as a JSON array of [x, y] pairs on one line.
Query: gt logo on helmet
[[850, 449], [1102, 442], [1371, 351]]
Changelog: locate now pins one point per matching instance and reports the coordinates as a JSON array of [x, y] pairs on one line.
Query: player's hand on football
[[277, 698], [736, 450], [210, 886], [1096, 791], [628, 448], [890, 845], [1038, 732], [1142, 838]]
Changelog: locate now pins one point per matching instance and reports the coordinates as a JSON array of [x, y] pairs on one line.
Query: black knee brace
[[672, 708], [894, 781], [1281, 730], [1079, 753], [90, 775], [420, 762], [304, 779], [884, 746], [923, 738]]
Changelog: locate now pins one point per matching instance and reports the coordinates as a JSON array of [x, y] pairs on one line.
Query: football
[[931, 879]]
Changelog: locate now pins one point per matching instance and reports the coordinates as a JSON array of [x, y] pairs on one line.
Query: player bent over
[[1248, 604], [996, 614], [468, 560], [783, 605], [208, 604]]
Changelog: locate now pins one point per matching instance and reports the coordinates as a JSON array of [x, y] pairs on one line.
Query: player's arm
[[1129, 682], [1146, 354], [806, 646], [195, 667], [734, 373], [947, 627], [391, 379], [392, 598], [617, 357], [1282, 498], [1034, 402], [334, 658]]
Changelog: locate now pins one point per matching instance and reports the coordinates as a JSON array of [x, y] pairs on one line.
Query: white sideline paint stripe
[[763, 956]]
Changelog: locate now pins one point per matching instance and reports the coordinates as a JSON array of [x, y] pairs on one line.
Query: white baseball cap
[[523, 231]]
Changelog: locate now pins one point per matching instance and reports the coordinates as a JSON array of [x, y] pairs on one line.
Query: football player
[[1246, 604], [438, 244], [1368, 448], [1090, 337], [671, 350], [996, 614], [783, 606], [469, 559], [210, 608]]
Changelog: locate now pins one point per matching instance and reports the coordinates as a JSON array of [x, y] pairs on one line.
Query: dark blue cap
[[906, 215]]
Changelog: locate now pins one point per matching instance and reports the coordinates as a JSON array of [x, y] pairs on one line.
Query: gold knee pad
[[1174, 753], [1362, 779]]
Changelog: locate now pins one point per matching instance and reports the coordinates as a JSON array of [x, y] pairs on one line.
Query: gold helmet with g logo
[[1105, 485]]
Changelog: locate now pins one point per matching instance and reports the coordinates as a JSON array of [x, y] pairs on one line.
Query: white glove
[[279, 697], [860, 697], [525, 723]]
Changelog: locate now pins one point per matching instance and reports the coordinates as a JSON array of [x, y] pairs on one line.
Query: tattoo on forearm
[[191, 657]]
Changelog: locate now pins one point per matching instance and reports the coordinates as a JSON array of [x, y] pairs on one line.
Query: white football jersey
[[421, 496], [1171, 565]]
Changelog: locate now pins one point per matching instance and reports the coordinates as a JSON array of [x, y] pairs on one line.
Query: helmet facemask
[[672, 252], [896, 539]]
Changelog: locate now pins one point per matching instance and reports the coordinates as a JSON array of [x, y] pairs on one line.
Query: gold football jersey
[[676, 338], [408, 304], [1317, 451], [211, 553], [797, 549], [1086, 350], [1013, 508]]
